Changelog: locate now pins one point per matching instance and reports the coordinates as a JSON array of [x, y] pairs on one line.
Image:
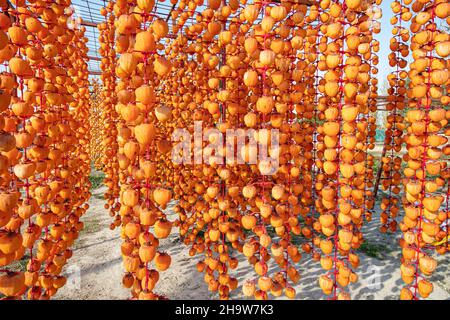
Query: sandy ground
[[95, 270]]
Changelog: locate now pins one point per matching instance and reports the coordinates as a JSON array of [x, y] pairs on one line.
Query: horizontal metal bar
[[88, 23], [94, 58]]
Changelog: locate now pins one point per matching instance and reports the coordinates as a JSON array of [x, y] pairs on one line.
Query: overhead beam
[[95, 73], [94, 58], [305, 2], [170, 12], [88, 23]]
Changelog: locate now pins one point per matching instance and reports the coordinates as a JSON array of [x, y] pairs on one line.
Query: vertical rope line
[[424, 158]]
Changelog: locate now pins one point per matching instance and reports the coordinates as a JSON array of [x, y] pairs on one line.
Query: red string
[[423, 167], [393, 129], [338, 147]]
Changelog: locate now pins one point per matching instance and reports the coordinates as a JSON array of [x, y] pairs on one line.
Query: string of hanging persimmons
[[44, 144], [305, 68]]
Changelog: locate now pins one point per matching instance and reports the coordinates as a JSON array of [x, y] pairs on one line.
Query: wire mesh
[[89, 12]]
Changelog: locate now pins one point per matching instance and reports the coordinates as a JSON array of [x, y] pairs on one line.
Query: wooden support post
[[377, 182]]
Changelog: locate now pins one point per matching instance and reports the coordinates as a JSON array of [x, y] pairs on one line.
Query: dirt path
[[95, 270]]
